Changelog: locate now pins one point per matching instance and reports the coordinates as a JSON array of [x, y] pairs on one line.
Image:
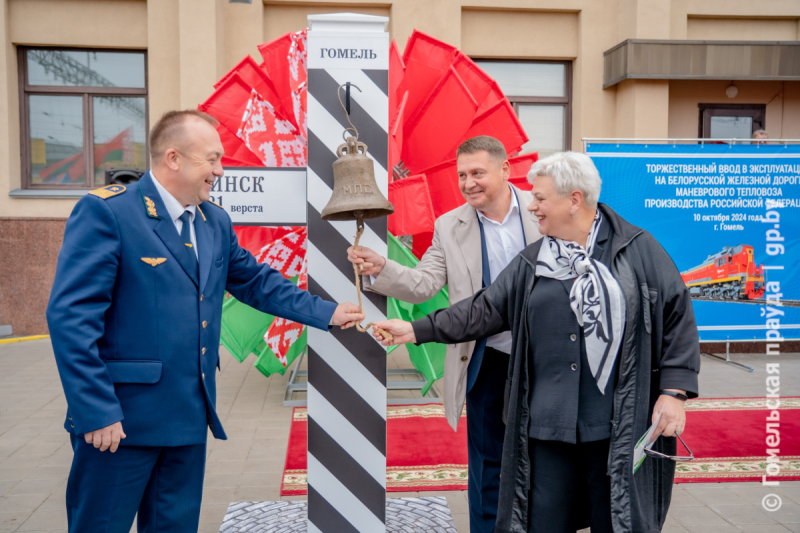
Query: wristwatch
[[678, 395]]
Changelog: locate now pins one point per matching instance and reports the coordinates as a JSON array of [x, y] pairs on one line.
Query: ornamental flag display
[[275, 141], [276, 341], [438, 98]]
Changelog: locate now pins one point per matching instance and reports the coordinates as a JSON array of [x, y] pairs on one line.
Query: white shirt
[[503, 242], [175, 210]]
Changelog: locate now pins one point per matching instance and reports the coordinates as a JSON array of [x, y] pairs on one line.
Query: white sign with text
[[262, 196]]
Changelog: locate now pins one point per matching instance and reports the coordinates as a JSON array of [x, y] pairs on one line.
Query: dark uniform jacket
[[660, 350], [135, 324]]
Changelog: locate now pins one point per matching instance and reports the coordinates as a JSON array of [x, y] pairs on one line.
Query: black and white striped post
[[346, 369]]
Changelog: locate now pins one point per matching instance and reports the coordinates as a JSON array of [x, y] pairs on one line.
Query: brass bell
[[355, 192]]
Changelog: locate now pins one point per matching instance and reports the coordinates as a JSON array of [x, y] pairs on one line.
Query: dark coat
[[660, 350]]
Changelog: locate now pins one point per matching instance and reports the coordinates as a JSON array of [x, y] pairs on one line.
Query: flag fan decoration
[[438, 98], [275, 341]]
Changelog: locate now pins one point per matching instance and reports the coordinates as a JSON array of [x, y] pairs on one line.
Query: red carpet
[[727, 437], [423, 453]]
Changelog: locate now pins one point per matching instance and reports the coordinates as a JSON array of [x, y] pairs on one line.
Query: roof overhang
[[641, 59]]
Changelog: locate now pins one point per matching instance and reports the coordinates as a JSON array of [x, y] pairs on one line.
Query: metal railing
[[675, 140]]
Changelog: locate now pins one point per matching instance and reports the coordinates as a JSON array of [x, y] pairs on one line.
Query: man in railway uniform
[[134, 318]]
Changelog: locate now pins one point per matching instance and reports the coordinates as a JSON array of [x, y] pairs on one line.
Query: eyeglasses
[[659, 455]]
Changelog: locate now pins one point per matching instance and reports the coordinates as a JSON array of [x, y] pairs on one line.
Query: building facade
[[82, 80]]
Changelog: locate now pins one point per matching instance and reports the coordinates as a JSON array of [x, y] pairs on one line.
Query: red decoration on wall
[[438, 98], [417, 214], [439, 123]]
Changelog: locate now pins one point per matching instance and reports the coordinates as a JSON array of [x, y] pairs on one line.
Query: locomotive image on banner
[[731, 274], [729, 217]]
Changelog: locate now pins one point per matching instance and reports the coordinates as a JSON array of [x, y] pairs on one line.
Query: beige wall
[[244, 31], [742, 29], [105, 23], [782, 100], [163, 55], [281, 17], [9, 113], [550, 35], [192, 43], [722, 19], [642, 109]]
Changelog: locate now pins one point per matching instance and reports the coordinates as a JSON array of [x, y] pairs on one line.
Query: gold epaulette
[[108, 191]]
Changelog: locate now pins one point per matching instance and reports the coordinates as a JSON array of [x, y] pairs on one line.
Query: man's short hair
[[495, 149], [760, 132], [170, 126]]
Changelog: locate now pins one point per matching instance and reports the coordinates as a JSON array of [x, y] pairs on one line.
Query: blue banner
[[729, 216]]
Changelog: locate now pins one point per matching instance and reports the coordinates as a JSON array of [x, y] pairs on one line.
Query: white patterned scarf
[[595, 298]]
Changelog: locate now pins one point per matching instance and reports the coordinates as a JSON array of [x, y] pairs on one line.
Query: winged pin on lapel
[[154, 261]]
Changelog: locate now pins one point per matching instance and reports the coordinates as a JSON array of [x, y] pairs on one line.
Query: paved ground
[[427, 514], [35, 454]]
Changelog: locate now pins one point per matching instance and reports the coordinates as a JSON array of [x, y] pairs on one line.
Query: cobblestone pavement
[[261, 517], [35, 455], [403, 515]]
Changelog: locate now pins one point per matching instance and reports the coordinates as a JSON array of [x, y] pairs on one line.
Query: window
[[731, 121], [540, 92], [81, 112]]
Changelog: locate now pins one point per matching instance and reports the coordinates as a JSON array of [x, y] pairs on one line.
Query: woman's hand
[[400, 330], [673, 419]]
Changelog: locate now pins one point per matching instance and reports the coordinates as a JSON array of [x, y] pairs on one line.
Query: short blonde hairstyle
[[170, 127], [571, 171]]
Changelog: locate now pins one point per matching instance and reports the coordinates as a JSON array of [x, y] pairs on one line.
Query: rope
[[385, 334]]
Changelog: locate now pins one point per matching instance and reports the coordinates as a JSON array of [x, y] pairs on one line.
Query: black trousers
[[563, 475], [485, 431]]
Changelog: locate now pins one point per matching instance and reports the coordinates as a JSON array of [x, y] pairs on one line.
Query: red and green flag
[[428, 359], [277, 342]]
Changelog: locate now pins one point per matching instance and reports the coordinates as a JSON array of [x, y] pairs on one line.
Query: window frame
[[87, 93], [561, 101], [758, 112]]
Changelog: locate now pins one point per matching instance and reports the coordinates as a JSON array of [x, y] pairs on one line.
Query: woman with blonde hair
[[604, 341]]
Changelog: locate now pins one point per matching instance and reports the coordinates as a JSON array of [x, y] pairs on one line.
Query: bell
[[355, 192]]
